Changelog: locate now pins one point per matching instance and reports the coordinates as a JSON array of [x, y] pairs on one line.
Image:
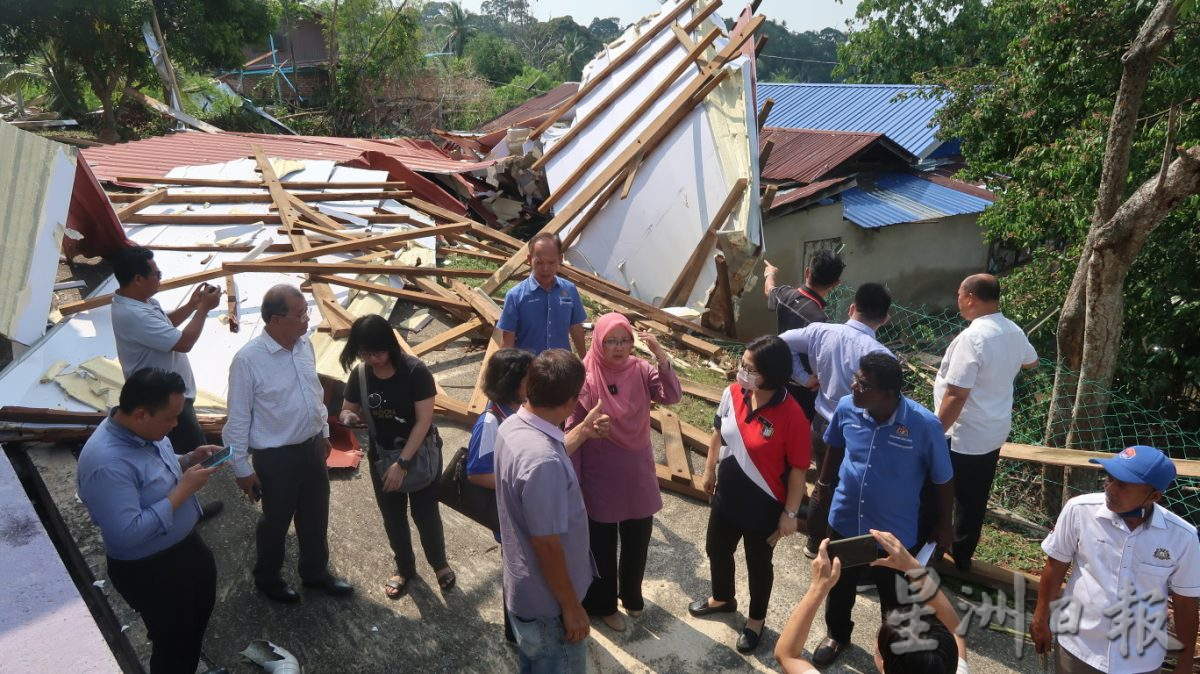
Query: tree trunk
[[1092, 311]]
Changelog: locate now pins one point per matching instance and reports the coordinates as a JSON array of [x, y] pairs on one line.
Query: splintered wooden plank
[[691, 270], [258, 198], [399, 293], [441, 340], [1076, 458], [482, 304], [286, 184], [677, 458], [142, 201], [270, 265], [167, 284], [703, 391]]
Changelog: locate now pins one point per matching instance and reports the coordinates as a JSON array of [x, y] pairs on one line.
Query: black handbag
[[473, 501], [426, 463]]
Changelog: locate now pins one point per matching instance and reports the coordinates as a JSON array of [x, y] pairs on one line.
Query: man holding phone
[[148, 336], [887, 446], [143, 498]]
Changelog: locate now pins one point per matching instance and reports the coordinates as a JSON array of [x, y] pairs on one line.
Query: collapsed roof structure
[[361, 224]]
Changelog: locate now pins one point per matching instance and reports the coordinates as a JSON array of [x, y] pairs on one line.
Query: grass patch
[[695, 411], [1010, 548]]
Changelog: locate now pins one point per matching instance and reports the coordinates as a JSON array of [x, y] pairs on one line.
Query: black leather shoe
[[827, 652], [211, 510], [700, 608], [334, 587], [280, 592], [748, 641]]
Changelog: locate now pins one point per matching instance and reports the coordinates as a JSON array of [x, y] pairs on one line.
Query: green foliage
[[103, 38], [1035, 124], [605, 30], [377, 47], [494, 58], [891, 41], [457, 24], [798, 57]]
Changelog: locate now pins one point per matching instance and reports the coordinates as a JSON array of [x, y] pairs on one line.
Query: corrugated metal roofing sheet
[[857, 107], [157, 156], [893, 198], [806, 155], [798, 197], [534, 107]]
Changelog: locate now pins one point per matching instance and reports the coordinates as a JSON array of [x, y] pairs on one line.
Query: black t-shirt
[[797, 308], [392, 401]]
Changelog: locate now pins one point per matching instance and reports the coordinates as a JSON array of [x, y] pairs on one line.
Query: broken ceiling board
[[37, 177]]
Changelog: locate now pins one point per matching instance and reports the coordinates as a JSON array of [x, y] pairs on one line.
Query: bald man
[[973, 395]]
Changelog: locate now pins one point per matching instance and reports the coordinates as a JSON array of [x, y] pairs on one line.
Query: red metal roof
[[805, 156], [802, 196], [536, 107], [157, 156]]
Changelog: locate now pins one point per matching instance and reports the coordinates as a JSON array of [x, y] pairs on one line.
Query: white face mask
[[748, 382]]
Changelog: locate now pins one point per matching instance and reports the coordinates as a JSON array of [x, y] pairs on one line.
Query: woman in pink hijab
[[616, 473]]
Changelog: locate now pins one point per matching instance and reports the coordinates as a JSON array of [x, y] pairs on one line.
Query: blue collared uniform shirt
[[123, 480], [542, 319], [885, 468], [833, 350]]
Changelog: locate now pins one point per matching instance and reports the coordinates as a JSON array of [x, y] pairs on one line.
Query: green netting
[[920, 338]]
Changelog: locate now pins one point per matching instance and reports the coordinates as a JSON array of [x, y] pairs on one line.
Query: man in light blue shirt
[[833, 351], [143, 498], [544, 311]]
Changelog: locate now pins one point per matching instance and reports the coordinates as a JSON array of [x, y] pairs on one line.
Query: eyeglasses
[[859, 384], [618, 342], [364, 355]]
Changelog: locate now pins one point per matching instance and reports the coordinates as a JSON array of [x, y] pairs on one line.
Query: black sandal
[[447, 580], [394, 589]]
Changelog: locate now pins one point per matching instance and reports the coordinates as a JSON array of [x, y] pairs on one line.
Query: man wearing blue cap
[[1129, 554]]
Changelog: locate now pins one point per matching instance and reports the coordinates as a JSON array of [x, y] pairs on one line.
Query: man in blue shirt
[[887, 446], [143, 498], [833, 351], [544, 311]]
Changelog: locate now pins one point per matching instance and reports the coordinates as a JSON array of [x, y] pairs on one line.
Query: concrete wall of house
[[920, 263]]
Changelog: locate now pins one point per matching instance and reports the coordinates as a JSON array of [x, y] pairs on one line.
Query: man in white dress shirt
[[973, 396], [1127, 555], [278, 429]]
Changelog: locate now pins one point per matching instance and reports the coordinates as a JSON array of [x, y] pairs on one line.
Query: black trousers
[[618, 579], [295, 486], [818, 511], [973, 475], [393, 506], [842, 597], [187, 434], [721, 543], [174, 592]]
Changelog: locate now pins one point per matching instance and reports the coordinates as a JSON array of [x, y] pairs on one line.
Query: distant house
[[273, 67], [868, 189]]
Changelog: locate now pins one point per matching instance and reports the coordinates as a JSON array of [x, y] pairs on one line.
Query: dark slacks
[[393, 506], [618, 579], [721, 543], [187, 434], [840, 603], [295, 486], [818, 511], [973, 476], [174, 592]]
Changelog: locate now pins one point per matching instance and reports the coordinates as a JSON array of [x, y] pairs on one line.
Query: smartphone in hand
[[218, 458], [855, 551]]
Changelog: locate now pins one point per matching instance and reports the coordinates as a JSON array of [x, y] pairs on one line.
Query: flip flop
[[395, 589], [447, 580]]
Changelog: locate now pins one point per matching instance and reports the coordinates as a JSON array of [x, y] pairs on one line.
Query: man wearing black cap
[[1129, 555]]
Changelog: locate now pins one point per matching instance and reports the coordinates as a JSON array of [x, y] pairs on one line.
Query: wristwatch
[[404, 463], [791, 514]]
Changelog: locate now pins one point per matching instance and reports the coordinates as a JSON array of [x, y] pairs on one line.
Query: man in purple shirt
[[543, 521]]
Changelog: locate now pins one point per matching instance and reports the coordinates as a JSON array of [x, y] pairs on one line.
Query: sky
[[800, 15]]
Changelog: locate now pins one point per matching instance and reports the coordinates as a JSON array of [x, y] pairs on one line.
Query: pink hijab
[[629, 408]]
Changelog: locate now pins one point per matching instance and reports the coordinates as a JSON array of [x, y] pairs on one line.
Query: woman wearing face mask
[[616, 473], [755, 471]]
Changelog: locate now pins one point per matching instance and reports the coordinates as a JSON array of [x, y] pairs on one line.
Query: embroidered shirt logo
[[1162, 553], [902, 431]]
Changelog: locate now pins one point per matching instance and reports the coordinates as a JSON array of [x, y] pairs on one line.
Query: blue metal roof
[[893, 198], [856, 107]]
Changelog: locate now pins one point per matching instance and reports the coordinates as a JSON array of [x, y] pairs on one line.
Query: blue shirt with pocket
[[541, 319], [123, 480], [885, 468]]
